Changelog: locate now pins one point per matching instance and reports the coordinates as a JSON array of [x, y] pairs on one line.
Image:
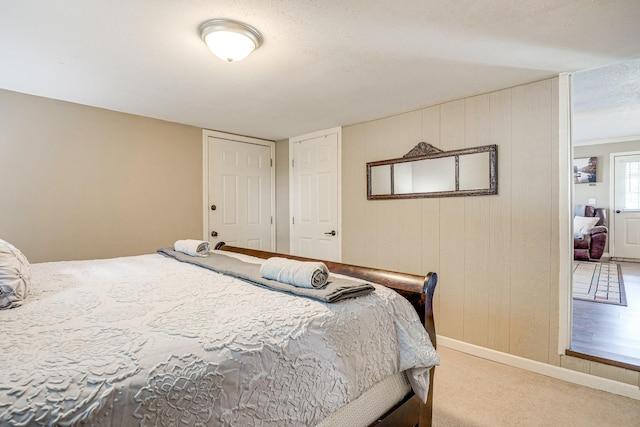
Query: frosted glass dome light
[[230, 40]]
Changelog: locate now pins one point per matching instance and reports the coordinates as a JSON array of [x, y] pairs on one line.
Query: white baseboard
[[558, 372]]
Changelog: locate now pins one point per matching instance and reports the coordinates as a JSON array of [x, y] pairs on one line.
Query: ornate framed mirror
[[427, 171]]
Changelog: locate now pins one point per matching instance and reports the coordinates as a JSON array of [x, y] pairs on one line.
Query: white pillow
[[15, 276], [582, 224]]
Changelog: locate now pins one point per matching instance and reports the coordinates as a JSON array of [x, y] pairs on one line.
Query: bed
[[155, 340]]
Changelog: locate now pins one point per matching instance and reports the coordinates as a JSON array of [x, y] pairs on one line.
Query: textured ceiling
[[606, 103], [323, 63]]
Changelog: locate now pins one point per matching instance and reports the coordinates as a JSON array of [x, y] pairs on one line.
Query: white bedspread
[[150, 341]]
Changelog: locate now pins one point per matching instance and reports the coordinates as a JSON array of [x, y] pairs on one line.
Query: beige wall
[[600, 189], [496, 256], [79, 182]]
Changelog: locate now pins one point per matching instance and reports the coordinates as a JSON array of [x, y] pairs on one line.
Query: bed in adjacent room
[[163, 339]]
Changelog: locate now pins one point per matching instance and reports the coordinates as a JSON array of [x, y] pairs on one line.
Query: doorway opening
[[605, 127]]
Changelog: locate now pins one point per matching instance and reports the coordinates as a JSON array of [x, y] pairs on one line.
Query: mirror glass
[[381, 179], [403, 178], [425, 176], [429, 172], [474, 171]]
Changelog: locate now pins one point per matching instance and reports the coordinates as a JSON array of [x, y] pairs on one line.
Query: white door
[[315, 228], [626, 207], [239, 200]]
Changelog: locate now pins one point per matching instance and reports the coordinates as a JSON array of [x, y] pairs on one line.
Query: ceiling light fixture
[[230, 40]]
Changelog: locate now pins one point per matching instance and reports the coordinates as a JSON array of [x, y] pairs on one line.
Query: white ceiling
[[324, 63], [606, 103]]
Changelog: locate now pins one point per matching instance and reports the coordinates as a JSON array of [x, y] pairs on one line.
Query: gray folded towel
[[297, 273], [192, 247], [334, 291]]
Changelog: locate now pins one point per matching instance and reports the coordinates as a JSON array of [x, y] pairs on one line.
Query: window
[[632, 185]]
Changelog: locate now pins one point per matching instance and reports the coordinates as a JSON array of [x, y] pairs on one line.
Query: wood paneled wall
[[496, 256]]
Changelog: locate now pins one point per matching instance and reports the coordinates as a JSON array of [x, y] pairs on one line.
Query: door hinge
[[271, 220], [293, 220], [292, 161], [271, 162]]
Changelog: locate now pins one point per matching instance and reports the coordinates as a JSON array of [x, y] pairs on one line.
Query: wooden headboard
[[417, 289]]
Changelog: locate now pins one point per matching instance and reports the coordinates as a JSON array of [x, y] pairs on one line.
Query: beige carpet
[[474, 392], [598, 282]]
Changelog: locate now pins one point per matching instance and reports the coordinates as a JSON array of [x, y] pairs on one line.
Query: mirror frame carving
[[424, 151]]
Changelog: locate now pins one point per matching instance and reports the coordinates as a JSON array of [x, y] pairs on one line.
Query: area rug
[[598, 282]]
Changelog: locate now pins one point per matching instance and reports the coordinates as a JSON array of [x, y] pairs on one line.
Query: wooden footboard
[[418, 290]]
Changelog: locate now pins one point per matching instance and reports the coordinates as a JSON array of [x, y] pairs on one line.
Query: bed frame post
[[429, 288], [426, 409]]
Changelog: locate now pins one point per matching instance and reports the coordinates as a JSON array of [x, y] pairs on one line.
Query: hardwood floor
[[610, 333]]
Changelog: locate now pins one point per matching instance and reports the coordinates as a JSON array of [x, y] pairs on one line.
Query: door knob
[[214, 234], [618, 211], [331, 233], [213, 207]]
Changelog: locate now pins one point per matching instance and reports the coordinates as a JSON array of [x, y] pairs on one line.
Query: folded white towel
[[296, 273], [192, 247]]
